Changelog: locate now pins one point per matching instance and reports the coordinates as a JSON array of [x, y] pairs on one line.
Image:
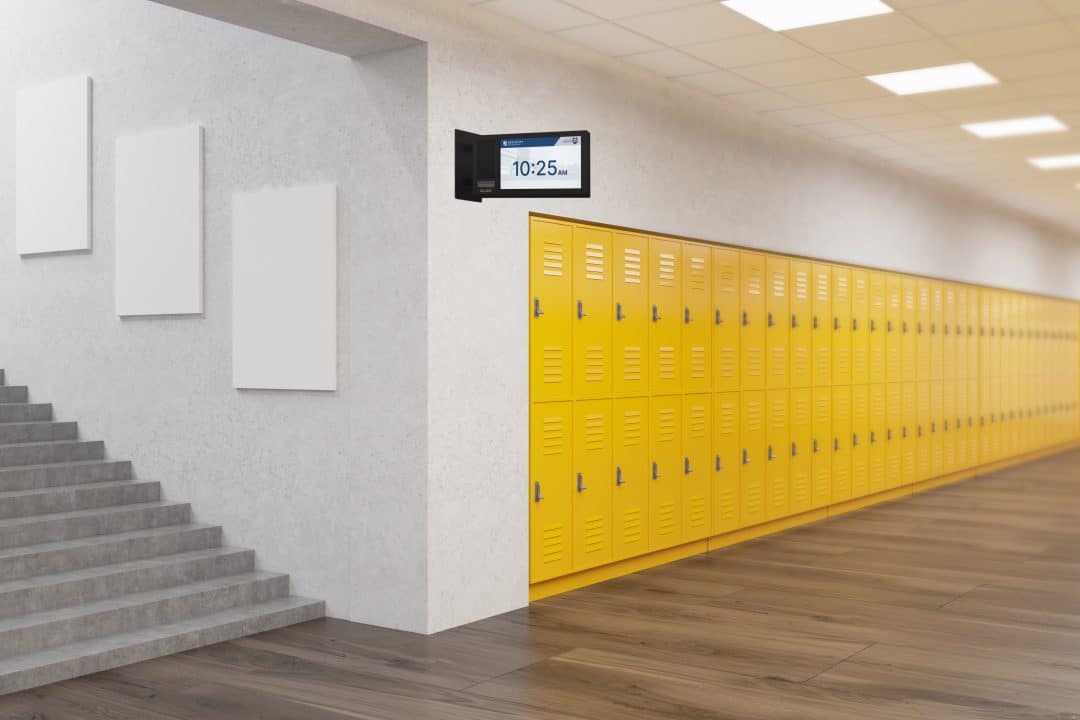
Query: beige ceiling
[[814, 77]]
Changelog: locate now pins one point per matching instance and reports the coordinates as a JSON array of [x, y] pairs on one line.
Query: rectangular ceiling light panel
[[1035, 125], [934, 79], [1056, 162], [790, 14]]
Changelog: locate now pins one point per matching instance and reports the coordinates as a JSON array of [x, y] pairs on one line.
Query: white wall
[[326, 486]]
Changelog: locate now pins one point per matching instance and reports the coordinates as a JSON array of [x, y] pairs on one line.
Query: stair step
[[50, 592], [68, 661], [53, 628], [30, 477], [16, 532], [51, 452], [68, 555], [14, 394], [69, 498], [32, 432], [26, 412]]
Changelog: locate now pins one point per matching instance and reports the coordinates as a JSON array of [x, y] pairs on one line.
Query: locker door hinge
[[686, 316], [618, 311], [581, 483], [618, 477], [537, 312], [580, 310], [655, 314], [686, 468], [537, 497], [719, 465], [655, 471]]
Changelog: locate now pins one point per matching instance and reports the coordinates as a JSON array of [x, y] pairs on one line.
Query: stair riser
[[101, 587], [88, 627], [48, 562], [13, 394], [52, 529], [40, 412], [35, 478], [82, 498], [29, 433], [12, 455]]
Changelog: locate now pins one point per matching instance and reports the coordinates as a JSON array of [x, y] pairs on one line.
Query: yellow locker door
[[550, 490], [725, 333], [752, 336], [876, 438], [960, 331], [551, 247], [860, 440], [665, 327], [972, 415], [631, 495], [997, 425], [800, 401], [801, 311], [974, 340], [665, 472], [697, 452], [922, 330], [841, 444], [592, 312], [937, 330], [821, 447], [894, 319], [923, 446], [777, 451], [841, 307], [948, 332], [949, 429], [593, 483], [894, 445], [860, 327], [776, 321], [697, 318], [909, 465], [959, 421], [821, 324], [937, 414], [631, 326], [726, 462], [877, 329], [909, 342], [986, 422], [752, 460]]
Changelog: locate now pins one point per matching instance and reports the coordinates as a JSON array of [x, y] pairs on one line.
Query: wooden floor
[[963, 602]]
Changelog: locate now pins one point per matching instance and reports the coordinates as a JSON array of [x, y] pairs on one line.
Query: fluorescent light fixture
[[934, 79], [789, 14], [1056, 162], [1035, 125]]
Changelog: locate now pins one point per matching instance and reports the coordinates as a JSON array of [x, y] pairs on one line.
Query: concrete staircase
[[97, 571]]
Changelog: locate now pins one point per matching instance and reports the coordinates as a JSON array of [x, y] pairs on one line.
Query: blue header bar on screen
[[547, 141]]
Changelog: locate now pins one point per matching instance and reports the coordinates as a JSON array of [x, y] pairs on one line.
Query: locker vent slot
[[802, 285], [665, 518], [594, 432], [631, 364], [665, 362], [727, 362], [698, 275], [726, 282], [594, 261], [554, 436], [594, 364], [631, 434], [727, 503], [698, 511], [632, 266], [666, 274], [665, 426], [554, 545], [632, 526], [698, 364], [594, 534], [553, 258], [779, 284], [553, 364]]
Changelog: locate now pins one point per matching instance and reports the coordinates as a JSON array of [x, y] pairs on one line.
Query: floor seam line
[[837, 664]]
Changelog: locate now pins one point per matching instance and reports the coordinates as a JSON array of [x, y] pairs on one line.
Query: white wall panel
[[285, 288], [159, 222], [52, 166]]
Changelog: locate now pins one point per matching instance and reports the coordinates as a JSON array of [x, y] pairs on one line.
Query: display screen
[[540, 163]]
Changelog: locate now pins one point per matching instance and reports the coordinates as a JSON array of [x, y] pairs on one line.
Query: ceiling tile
[[967, 97], [609, 39], [868, 142], [901, 56], [1015, 41], [720, 82], [612, 9], [835, 91], [749, 50], [545, 15], [668, 62], [802, 116], [694, 24], [905, 121], [967, 16], [764, 100], [861, 33], [836, 129], [856, 109], [1067, 8], [795, 72], [931, 136], [1017, 67], [996, 111]]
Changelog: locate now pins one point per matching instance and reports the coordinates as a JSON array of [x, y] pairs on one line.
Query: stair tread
[[46, 443], [134, 600], [16, 521], [100, 539], [54, 489], [58, 465]]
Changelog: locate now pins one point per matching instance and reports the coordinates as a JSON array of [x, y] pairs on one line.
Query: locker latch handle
[[745, 457], [920, 431], [686, 315], [888, 326], [655, 471], [903, 431], [618, 476], [933, 328], [873, 326], [687, 469], [719, 320], [770, 320], [815, 323], [854, 324], [719, 465], [618, 311], [959, 330], [919, 328], [794, 450], [537, 497], [873, 437], [854, 440], [836, 323], [745, 318], [580, 310], [814, 447], [794, 320], [945, 329], [537, 312], [945, 426], [888, 433], [933, 427], [770, 455], [904, 326], [581, 483], [655, 314], [836, 444]]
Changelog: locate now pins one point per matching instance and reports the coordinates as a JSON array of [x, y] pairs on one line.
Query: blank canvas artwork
[[285, 288], [52, 167], [159, 222]]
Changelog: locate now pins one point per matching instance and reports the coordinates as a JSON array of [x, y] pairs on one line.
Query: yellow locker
[[860, 440], [592, 325], [725, 332], [801, 403], [948, 329], [997, 424], [631, 326], [963, 429], [923, 445], [665, 331], [631, 494], [937, 330], [960, 331], [949, 429], [876, 438], [752, 460], [593, 483], [860, 327], [550, 490], [937, 447], [986, 421], [726, 462], [801, 311], [841, 307], [777, 450], [974, 431], [841, 445], [973, 325], [697, 452], [821, 447], [665, 472], [894, 320], [776, 321], [752, 335], [821, 324], [876, 331], [697, 318], [909, 341], [551, 287], [894, 445], [908, 438], [922, 330]]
